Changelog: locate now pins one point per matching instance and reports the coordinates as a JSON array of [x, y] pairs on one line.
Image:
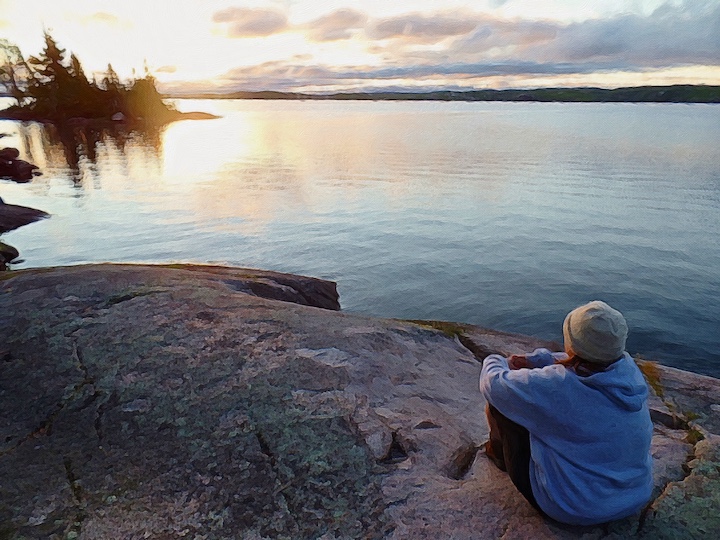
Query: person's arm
[[537, 359], [526, 396]]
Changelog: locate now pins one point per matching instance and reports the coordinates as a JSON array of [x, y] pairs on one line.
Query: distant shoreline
[[637, 94]]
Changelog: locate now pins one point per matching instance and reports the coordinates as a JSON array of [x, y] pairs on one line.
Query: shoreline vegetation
[[53, 88], [680, 93]]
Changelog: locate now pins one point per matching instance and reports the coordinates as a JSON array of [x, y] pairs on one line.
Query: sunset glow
[[336, 45]]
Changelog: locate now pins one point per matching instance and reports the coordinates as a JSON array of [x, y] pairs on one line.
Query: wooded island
[[53, 88]]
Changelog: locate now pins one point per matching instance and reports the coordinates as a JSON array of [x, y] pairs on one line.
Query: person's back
[[587, 418]]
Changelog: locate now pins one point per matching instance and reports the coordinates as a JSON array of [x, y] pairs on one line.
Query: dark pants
[[509, 449]]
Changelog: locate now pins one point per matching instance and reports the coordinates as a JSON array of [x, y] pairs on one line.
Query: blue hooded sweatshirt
[[589, 436]]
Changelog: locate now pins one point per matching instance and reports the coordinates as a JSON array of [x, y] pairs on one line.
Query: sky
[[342, 45]]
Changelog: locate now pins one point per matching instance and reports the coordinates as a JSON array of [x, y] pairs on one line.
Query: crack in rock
[[265, 447], [396, 452], [99, 415], [46, 425], [129, 295], [285, 502], [480, 353], [427, 424], [461, 461], [668, 419], [75, 528]]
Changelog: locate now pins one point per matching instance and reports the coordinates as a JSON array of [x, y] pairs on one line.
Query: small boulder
[[16, 169], [13, 216], [7, 255], [9, 154]]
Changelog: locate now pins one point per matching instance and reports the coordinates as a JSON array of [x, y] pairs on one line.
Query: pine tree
[[50, 76]]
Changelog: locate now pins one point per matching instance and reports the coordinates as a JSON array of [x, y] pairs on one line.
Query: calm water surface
[[506, 215]]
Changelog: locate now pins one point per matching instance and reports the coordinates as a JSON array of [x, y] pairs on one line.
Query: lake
[[505, 215]]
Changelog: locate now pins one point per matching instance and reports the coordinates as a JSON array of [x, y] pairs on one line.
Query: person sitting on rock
[[573, 430]]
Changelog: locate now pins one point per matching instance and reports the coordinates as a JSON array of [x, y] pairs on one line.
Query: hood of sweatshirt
[[622, 382]]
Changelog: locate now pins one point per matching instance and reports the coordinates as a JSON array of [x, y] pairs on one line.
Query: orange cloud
[[336, 25], [422, 28], [101, 17], [249, 22]]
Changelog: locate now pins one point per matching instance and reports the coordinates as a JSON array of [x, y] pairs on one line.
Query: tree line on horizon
[[51, 87], [679, 93]]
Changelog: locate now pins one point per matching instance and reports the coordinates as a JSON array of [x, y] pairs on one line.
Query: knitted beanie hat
[[596, 332]]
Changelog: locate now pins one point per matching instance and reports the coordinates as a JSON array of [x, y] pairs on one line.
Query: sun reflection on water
[[195, 151]]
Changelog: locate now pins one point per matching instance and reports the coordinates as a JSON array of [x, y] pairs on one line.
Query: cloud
[[671, 35], [278, 75], [422, 28], [336, 25], [166, 69], [467, 47], [480, 69], [248, 22], [511, 36], [104, 18]]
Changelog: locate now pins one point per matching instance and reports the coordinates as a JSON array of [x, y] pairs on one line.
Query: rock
[[13, 216], [692, 394], [7, 254], [306, 291], [690, 507], [190, 402], [16, 169], [8, 154]]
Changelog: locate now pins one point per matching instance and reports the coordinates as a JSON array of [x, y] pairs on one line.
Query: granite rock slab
[[209, 402]]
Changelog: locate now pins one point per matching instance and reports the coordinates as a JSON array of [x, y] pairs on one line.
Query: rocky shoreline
[[13, 216], [186, 401]]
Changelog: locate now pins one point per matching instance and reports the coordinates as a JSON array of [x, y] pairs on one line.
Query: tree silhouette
[[14, 70], [49, 87]]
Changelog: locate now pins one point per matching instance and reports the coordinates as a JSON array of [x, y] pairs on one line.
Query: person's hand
[[518, 361]]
